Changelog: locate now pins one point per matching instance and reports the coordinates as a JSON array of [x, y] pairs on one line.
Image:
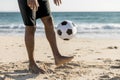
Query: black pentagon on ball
[[64, 23], [69, 31], [59, 32]]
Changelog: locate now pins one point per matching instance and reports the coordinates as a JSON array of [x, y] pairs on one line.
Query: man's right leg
[[29, 18], [29, 41]]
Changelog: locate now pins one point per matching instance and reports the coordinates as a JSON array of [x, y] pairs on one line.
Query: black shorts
[[29, 16]]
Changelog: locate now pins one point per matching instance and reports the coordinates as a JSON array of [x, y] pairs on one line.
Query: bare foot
[[62, 60], [35, 69]]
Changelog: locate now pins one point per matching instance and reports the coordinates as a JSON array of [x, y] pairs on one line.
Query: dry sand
[[95, 59]]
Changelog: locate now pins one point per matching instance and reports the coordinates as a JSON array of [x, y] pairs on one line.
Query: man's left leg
[[50, 34]]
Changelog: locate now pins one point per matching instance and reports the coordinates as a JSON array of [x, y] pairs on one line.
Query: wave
[[17, 29], [98, 26], [83, 28], [80, 25]]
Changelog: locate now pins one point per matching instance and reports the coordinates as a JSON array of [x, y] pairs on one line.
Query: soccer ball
[[66, 30]]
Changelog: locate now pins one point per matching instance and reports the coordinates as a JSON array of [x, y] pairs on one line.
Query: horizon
[[70, 6], [60, 11]]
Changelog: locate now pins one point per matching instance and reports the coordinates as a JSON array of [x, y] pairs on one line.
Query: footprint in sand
[[115, 78], [75, 53], [104, 77], [20, 45], [116, 64], [91, 50], [112, 47], [97, 52], [99, 58], [45, 53], [52, 58], [115, 67], [79, 55], [12, 45], [77, 49], [49, 56], [107, 60]]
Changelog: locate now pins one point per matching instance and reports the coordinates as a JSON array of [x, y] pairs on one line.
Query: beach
[[95, 48], [94, 59]]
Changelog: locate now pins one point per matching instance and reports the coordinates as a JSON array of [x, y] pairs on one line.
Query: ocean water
[[89, 24]]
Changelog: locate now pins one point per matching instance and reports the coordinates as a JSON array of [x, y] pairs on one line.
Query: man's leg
[[50, 34], [29, 41]]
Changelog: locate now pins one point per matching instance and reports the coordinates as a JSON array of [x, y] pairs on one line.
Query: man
[[30, 11]]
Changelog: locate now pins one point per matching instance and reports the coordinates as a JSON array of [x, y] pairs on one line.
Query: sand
[[94, 59]]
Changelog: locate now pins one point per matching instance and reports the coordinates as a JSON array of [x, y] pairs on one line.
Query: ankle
[[58, 56], [32, 63]]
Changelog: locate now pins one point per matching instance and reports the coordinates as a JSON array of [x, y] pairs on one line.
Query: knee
[[49, 25], [48, 21], [30, 29]]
